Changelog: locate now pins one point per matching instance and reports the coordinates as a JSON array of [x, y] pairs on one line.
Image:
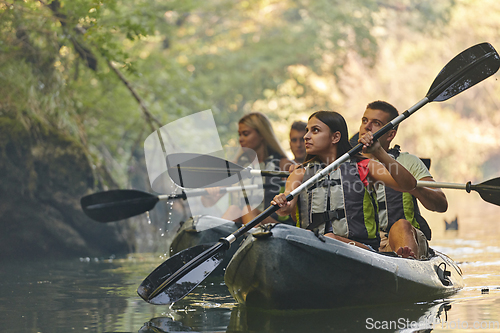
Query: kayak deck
[[290, 268]]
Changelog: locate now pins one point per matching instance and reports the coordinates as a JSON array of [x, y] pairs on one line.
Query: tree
[[77, 69]]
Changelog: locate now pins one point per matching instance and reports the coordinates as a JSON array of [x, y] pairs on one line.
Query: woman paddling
[[255, 135], [341, 204]]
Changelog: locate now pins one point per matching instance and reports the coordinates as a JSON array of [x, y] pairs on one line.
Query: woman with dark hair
[[342, 204]]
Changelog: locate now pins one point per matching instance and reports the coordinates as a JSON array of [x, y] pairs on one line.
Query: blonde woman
[[256, 133]]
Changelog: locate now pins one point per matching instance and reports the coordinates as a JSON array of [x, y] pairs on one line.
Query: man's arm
[[387, 170], [431, 198]]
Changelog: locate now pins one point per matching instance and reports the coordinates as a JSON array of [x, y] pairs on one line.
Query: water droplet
[[148, 217]]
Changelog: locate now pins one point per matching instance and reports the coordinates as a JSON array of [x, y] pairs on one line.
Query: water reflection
[[99, 296], [404, 319], [160, 325], [53, 296], [211, 308], [407, 318]]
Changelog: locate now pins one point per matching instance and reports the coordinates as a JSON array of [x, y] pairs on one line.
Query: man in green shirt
[[402, 228], [297, 146]]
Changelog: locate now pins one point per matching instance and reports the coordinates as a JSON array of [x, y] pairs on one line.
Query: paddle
[[488, 190], [354, 141], [115, 205], [180, 274], [190, 170]]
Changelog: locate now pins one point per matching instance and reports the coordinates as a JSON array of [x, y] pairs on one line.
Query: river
[[99, 294]]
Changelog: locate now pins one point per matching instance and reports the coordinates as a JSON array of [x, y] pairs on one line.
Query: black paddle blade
[[180, 274], [464, 71], [117, 205], [199, 171], [489, 191]]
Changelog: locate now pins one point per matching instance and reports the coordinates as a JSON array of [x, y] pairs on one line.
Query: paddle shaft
[[489, 190], [423, 183], [468, 186], [196, 193], [257, 173], [245, 172]]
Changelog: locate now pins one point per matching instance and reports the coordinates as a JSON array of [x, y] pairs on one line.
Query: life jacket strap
[[320, 218]]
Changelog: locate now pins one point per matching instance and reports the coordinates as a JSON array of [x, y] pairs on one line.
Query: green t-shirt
[[414, 165]]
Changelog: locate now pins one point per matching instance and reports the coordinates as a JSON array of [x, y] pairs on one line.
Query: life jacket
[[271, 163], [341, 203], [394, 205]]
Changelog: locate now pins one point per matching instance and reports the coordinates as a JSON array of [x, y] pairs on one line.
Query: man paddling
[[297, 145], [402, 228]]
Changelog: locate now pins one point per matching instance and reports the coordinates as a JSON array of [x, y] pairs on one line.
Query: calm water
[[99, 295]]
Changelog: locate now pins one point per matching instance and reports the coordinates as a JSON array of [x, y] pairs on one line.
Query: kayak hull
[[291, 268], [204, 229]]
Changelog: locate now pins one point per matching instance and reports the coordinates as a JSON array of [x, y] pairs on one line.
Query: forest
[[84, 82]]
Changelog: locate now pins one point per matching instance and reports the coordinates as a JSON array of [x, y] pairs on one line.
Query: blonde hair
[[261, 124]]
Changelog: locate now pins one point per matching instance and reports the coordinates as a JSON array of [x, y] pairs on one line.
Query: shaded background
[[83, 83]]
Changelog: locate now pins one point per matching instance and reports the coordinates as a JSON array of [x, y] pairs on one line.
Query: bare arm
[[293, 181], [388, 170], [433, 199]]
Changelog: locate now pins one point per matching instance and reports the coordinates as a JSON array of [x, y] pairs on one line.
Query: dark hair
[[336, 123], [384, 106], [299, 126]]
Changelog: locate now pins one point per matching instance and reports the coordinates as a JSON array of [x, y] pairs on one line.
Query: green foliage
[[180, 57]]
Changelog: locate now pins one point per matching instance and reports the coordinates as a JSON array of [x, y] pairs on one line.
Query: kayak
[[285, 267], [204, 229]]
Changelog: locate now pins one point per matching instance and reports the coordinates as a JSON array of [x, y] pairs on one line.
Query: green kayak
[[291, 268]]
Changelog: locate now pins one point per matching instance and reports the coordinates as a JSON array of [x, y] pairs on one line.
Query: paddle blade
[[117, 205], [489, 191], [200, 171], [180, 274], [464, 71]]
